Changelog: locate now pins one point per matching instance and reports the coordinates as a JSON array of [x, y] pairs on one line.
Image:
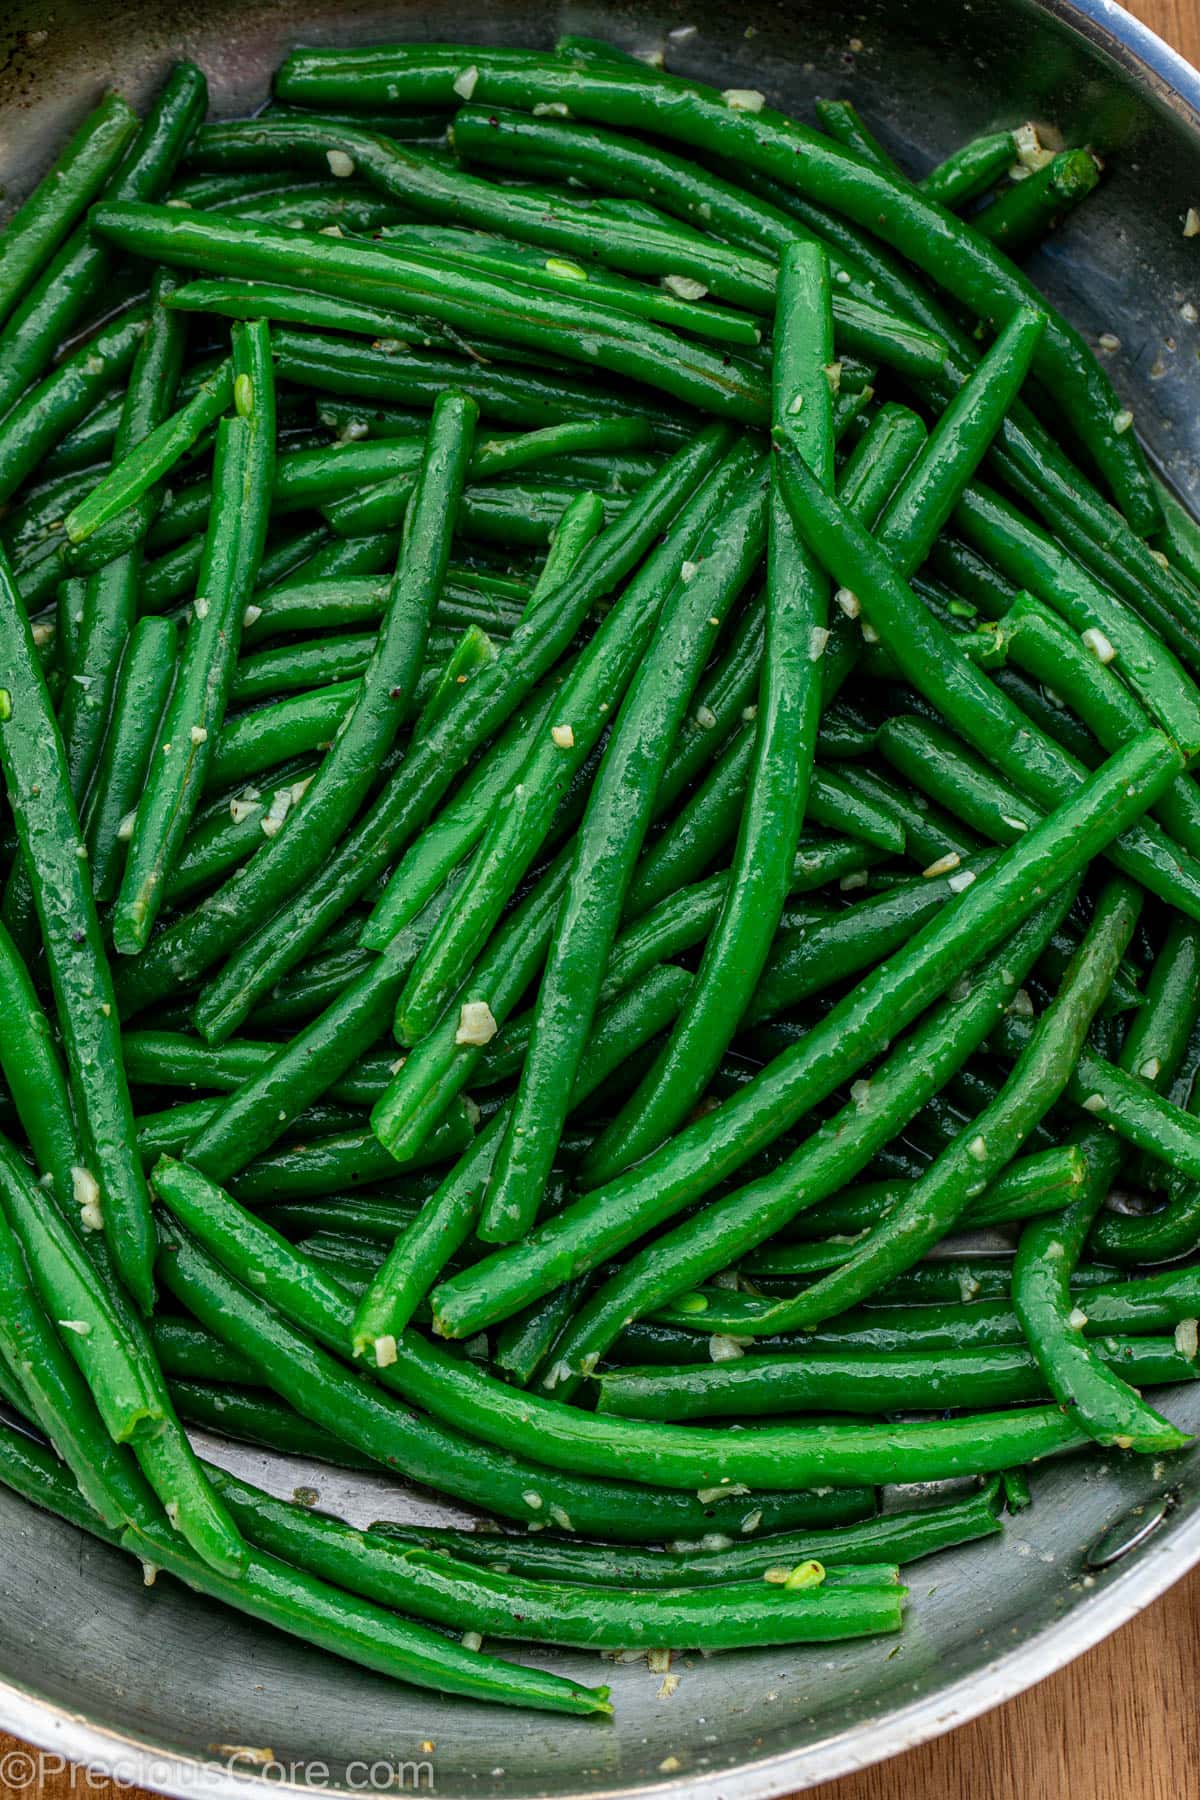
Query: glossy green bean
[[141, 465], [35, 773], [970, 169], [893, 1537], [76, 277], [1026, 210], [354, 1409], [405, 802], [592, 335], [749, 1386], [195, 712], [708, 1149], [965, 265], [42, 221], [449, 1593]]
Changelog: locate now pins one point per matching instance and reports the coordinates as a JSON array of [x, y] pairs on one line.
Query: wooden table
[[1121, 1723]]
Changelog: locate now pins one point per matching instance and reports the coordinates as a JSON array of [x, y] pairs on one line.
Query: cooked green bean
[[965, 265], [748, 1386], [75, 278], [196, 709], [272, 1591], [1026, 210], [138, 467], [893, 1537], [355, 1410], [35, 772], [200, 938], [42, 220], [713, 1146], [451, 1594], [971, 169]]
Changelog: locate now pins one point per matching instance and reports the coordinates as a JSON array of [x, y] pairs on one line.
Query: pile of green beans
[[591, 791]]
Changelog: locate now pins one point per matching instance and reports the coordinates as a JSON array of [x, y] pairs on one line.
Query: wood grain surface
[[1121, 1723]]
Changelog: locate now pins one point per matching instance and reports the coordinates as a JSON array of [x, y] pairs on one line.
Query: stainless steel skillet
[[156, 1685]]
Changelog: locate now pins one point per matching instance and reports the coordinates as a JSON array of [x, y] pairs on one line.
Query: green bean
[[1026, 210], [425, 1246], [166, 1133], [48, 410], [111, 599], [880, 460], [966, 266], [196, 710], [610, 340], [893, 1537], [708, 1149], [89, 444], [1151, 1304], [292, 306], [647, 247], [1034, 560], [524, 1342], [1179, 538], [842, 120], [1045, 1181], [383, 507], [809, 958], [54, 1393], [391, 121], [936, 763], [451, 1594], [302, 667], [688, 583], [33, 1074], [960, 692], [970, 170], [40, 223], [77, 276], [1039, 641], [518, 397], [249, 1415], [186, 1350], [698, 573], [35, 773], [140, 466], [749, 1386], [173, 1059], [356, 601], [789, 699], [340, 1159], [354, 1410], [269, 735], [425, 774]]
